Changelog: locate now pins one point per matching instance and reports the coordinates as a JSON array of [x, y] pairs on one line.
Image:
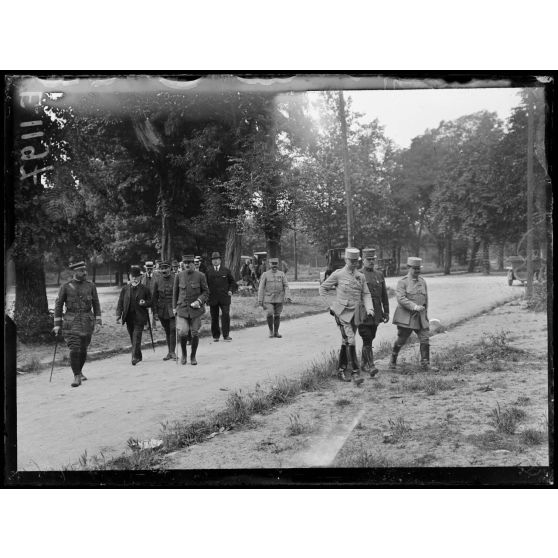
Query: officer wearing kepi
[[83, 311], [411, 313], [162, 306], [351, 292], [369, 324], [189, 295]]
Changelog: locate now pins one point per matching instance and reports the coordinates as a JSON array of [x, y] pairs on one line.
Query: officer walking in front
[[83, 312], [380, 302], [148, 279], [189, 295], [162, 306], [351, 292], [411, 313], [272, 293]]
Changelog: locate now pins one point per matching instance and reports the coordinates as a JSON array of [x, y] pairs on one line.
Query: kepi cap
[[149, 264], [188, 258], [273, 260], [352, 253], [165, 264], [215, 255], [414, 262], [369, 252], [77, 265]]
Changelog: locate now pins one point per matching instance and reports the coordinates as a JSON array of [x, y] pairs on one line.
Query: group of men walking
[[177, 298]]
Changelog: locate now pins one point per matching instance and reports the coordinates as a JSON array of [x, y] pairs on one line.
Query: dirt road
[[56, 423]]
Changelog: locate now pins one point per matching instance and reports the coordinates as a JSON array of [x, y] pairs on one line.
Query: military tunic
[[189, 286], [411, 293], [378, 291], [351, 291]]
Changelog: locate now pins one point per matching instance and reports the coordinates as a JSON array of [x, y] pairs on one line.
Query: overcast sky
[[407, 114]]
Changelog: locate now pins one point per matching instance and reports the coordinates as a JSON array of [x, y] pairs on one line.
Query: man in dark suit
[[221, 285], [132, 306]]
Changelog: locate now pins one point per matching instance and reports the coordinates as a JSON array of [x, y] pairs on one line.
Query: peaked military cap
[[188, 258], [369, 252], [414, 262], [164, 263], [273, 260], [77, 265], [149, 264], [352, 253]]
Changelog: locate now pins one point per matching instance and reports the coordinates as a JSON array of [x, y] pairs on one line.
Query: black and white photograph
[[258, 278]]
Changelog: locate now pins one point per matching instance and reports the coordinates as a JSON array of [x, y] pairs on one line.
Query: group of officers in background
[[177, 295]]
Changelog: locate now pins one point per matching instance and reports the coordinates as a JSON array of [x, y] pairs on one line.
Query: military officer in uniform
[[369, 324], [162, 306], [83, 311], [189, 295], [148, 279], [272, 293], [411, 313], [351, 292]]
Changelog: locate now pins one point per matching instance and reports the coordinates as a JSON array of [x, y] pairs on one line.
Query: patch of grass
[[538, 302], [496, 346], [297, 426], [532, 437], [34, 365], [429, 384], [364, 458], [424, 460], [522, 401], [506, 421], [492, 440], [399, 430], [342, 402]]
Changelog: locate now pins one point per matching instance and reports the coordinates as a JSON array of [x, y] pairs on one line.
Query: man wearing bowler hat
[[189, 295], [411, 313], [221, 286], [272, 293], [369, 324], [351, 292], [131, 310], [83, 314]]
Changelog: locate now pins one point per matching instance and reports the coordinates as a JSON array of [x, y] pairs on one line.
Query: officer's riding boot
[[353, 362], [394, 353], [372, 367], [195, 341], [83, 357], [365, 358], [425, 358], [276, 322], [184, 358], [343, 362], [75, 361], [270, 325]]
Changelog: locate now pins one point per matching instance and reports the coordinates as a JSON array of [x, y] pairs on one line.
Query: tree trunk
[[398, 260], [31, 305], [233, 249], [501, 246], [447, 254], [485, 258], [474, 248], [441, 246], [94, 277], [419, 237], [58, 276]]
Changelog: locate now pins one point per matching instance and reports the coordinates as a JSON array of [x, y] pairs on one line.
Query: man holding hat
[[189, 295], [411, 313], [83, 311], [131, 310], [368, 325], [162, 306], [351, 292], [148, 279], [272, 293], [221, 285]]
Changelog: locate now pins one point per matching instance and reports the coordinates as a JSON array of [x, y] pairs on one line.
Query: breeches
[[169, 325], [185, 325], [273, 308], [368, 333], [348, 330], [403, 334], [77, 343]]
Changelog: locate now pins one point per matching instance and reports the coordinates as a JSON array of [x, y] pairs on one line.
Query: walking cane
[[150, 332], [54, 358], [176, 337]]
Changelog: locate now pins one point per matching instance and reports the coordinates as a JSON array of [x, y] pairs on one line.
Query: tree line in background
[[160, 174]]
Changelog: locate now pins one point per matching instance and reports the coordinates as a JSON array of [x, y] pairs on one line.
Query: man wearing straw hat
[[351, 292], [411, 313], [83, 311]]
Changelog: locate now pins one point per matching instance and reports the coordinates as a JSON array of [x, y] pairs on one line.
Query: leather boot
[[343, 361], [270, 326], [365, 358], [83, 357], [77, 380], [425, 358], [373, 369], [394, 353], [353, 361], [276, 322], [184, 358], [195, 341]]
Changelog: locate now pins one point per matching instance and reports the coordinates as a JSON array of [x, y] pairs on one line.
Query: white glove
[[195, 304]]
